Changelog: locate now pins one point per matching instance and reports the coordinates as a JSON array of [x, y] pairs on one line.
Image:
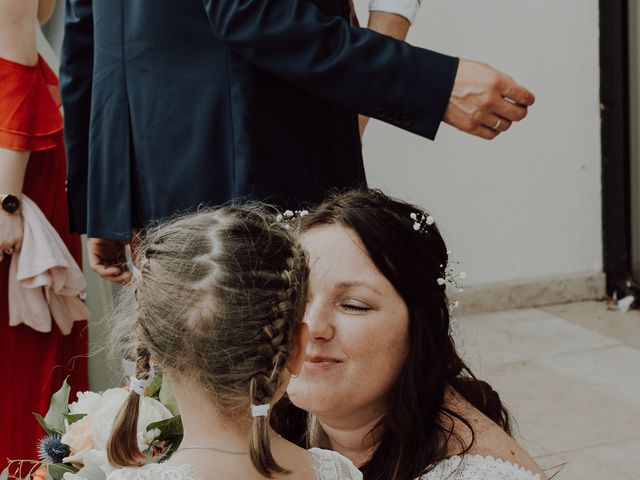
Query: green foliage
[[166, 396], [74, 417], [58, 408], [45, 426], [57, 470]]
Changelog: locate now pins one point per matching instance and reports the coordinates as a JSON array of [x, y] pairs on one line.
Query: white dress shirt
[[406, 8]]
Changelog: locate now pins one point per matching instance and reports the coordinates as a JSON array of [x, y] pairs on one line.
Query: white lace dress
[[327, 465], [478, 467]]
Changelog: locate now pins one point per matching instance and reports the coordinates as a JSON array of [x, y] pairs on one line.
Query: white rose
[[73, 476], [88, 402], [104, 417], [99, 459], [79, 437], [112, 400]]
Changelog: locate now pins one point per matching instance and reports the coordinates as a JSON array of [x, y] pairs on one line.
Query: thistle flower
[[52, 450]]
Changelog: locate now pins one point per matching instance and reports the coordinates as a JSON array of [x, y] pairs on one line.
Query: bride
[[382, 378], [218, 305]]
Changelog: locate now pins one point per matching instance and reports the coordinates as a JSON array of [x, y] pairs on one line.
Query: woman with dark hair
[[382, 380]]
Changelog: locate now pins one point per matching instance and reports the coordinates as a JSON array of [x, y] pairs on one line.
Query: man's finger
[[508, 110], [485, 132], [123, 277], [518, 94]]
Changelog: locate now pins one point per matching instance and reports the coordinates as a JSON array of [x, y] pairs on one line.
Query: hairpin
[[421, 221], [289, 215]]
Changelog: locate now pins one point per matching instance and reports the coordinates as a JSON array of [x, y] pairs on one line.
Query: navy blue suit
[[170, 104]]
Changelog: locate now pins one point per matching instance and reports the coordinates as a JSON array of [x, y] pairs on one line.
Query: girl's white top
[[327, 465], [478, 467]]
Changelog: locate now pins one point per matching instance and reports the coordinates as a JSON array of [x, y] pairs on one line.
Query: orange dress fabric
[[33, 365]]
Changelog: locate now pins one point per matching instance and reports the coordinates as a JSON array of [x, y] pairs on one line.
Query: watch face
[[10, 204]]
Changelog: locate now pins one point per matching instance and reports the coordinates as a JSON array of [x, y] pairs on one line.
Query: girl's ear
[[296, 358]]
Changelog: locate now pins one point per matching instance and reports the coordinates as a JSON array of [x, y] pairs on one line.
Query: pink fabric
[[45, 281]]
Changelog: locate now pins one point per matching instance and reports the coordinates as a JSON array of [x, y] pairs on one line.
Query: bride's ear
[[296, 357]]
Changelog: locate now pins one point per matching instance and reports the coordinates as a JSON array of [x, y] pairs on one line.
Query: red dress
[[33, 365]]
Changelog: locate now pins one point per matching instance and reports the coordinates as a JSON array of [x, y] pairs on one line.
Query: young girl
[[218, 308]]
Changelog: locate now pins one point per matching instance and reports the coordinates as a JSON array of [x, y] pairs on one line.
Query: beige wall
[[526, 205]]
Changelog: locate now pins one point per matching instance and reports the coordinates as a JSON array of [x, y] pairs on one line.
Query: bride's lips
[[321, 362]]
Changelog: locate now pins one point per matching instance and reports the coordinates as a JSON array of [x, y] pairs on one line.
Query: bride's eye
[[355, 306]]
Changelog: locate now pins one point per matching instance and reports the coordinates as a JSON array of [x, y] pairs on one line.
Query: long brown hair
[[219, 298], [417, 429]]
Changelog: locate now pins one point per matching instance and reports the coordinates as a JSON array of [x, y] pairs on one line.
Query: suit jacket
[[173, 104]]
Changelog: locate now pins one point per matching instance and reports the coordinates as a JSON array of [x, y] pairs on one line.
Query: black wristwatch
[[10, 203]]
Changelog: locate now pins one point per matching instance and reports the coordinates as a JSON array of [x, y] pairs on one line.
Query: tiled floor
[[570, 375]]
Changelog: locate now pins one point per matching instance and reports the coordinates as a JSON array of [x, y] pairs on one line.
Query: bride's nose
[[318, 317]]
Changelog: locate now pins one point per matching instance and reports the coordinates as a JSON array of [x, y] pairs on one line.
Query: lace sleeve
[[329, 465], [154, 472]]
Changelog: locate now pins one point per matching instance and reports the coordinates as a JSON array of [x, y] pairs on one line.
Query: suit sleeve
[[76, 77], [359, 69]]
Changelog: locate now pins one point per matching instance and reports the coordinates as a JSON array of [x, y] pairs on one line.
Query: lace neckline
[[452, 463]]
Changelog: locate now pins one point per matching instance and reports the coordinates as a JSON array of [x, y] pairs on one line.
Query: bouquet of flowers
[[74, 447]]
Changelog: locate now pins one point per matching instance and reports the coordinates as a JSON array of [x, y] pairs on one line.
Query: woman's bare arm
[[45, 10], [18, 31]]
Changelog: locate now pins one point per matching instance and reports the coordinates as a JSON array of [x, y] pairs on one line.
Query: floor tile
[[612, 371], [487, 340], [596, 316], [623, 456], [558, 412], [580, 466]]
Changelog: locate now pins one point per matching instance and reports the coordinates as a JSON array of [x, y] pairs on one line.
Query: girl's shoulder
[[154, 471], [329, 465], [478, 467]]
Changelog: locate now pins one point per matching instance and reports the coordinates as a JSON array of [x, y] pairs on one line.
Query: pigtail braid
[[122, 448]]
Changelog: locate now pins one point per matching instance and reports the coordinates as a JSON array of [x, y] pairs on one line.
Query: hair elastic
[[139, 386], [260, 410]]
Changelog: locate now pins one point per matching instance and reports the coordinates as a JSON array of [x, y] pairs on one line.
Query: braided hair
[[220, 298]]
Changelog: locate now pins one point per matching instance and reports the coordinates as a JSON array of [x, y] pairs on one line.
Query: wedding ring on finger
[[497, 125]]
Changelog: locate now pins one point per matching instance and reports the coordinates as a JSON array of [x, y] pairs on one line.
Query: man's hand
[[485, 101], [11, 231], [107, 259]]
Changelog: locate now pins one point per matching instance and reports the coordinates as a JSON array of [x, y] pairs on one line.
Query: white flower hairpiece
[[421, 221], [450, 279], [289, 215]]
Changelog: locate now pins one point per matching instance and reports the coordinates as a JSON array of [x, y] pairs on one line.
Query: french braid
[[219, 300]]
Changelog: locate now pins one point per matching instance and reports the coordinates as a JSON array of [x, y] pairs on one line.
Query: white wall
[[528, 204]]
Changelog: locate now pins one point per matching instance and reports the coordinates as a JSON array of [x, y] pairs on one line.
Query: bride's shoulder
[[478, 467], [329, 465], [154, 471]]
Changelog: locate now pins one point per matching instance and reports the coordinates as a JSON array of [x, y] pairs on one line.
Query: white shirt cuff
[[406, 8]]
